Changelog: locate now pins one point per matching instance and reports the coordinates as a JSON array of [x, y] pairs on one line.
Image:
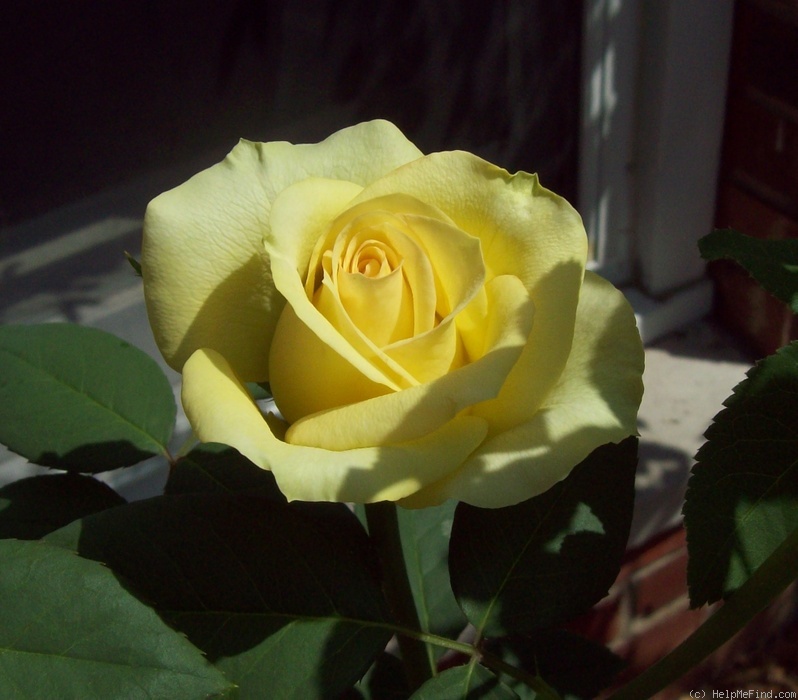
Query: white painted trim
[[657, 318], [609, 83], [653, 95], [682, 99]]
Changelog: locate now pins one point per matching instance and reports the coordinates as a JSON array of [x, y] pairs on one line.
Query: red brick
[[742, 305], [656, 549], [603, 623], [659, 584], [642, 586], [651, 644]]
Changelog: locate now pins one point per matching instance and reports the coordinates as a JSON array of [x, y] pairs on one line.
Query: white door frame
[[653, 105]]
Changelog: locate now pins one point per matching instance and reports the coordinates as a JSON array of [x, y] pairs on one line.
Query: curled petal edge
[[595, 402], [221, 410], [414, 412]]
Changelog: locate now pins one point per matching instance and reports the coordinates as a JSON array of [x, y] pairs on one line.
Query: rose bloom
[[425, 322]]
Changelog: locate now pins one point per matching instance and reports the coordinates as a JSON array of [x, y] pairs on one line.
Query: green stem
[[777, 572], [383, 525], [543, 691], [436, 640]]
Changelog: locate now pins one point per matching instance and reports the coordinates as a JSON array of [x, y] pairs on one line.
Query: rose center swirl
[[392, 276], [371, 259]]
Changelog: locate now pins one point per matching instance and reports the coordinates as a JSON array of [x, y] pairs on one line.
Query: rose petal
[[299, 216], [595, 402], [379, 228], [430, 355], [459, 274], [297, 219], [381, 307], [526, 231], [321, 377], [456, 258], [442, 265], [206, 279], [409, 414], [220, 410]]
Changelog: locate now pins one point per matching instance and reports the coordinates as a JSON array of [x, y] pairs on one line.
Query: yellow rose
[[426, 322]]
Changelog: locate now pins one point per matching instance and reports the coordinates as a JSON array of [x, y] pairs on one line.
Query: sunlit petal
[[221, 410]]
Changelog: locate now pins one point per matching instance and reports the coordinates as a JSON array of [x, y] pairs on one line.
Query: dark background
[[97, 93]]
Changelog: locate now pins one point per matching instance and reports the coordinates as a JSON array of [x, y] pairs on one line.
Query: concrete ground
[[688, 375], [80, 275]]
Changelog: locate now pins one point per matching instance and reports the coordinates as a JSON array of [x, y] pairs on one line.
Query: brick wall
[[647, 613], [758, 189]]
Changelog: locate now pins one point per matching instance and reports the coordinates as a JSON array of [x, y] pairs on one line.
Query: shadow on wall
[[103, 92]]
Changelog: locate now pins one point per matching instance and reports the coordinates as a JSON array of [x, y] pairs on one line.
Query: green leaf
[[769, 581], [548, 559], [385, 680], [215, 468], [260, 391], [425, 536], [554, 656], [71, 630], [135, 264], [742, 497], [32, 507], [279, 597], [425, 543], [80, 399], [464, 683], [772, 263]]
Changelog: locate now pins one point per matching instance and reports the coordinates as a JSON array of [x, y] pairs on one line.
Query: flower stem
[[543, 691], [383, 525], [771, 578]]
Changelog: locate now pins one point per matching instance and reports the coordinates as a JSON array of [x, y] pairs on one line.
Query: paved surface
[[80, 275], [688, 375]]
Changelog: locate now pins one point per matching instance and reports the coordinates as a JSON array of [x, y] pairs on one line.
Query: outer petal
[[526, 231], [220, 410], [594, 402], [206, 278]]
